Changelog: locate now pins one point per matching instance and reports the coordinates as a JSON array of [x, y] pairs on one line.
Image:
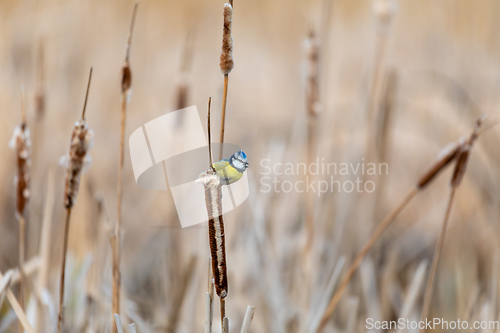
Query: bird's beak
[[246, 164]]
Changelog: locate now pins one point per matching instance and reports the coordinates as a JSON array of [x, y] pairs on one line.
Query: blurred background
[[396, 82]]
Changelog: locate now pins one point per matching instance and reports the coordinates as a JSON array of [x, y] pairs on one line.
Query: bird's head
[[239, 161]]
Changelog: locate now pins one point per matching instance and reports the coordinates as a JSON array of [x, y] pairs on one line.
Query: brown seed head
[[312, 48], [21, 144], [81, 142], [126, 78], [447, 155], [226, 57], [461, 165]]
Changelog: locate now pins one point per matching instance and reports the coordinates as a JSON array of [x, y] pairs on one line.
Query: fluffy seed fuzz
[[21, 144], [81, 142], [226, 57]]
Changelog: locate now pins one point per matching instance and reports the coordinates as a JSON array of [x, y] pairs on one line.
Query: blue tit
[[231, 170]]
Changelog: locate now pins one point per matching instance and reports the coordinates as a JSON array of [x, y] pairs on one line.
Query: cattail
[[213, 200], [183, 80], [126, 94], [445, 157], [312, 48], [21, 144], [226, 57], [126, 73], [76, 160], [226, 65], [182, 93], [126, 81], [461, 165]]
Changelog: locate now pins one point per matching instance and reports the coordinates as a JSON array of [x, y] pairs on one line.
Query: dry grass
[[126, 91], [445, 59]]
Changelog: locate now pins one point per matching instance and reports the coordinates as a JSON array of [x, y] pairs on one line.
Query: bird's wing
[[221, 169], [221, 164]]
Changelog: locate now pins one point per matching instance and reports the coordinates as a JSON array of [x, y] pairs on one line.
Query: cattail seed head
[[76, 160], [22, 145], [445, 157], [182, 93], [226, 57], [213, 200], [312, 49], [461, 165], [126, 78]]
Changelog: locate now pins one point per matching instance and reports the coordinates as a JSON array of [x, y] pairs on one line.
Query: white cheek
[[238, 164]]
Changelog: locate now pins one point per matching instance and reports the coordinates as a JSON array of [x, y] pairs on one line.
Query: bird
[[231, 170]]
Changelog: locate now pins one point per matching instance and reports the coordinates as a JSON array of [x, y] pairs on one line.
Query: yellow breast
[[226, 173]]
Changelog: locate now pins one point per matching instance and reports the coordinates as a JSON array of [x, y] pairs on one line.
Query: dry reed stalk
[[448, 155], [209, 313], [386, 113], [30, 267], [225, 325], [357, 261], [435, 261], [21, 144], [21, 315], [462, 157], [383, 133], [247, 320], [40, 104], [126, 89], [4, 284], [384, 11], [118, 323], [131, 328], [413, 292], [226, 64], [80, 143], [45, 241], [312, 107], [328, 294], [180, 295], [40, 83], [13, 276], [5, 281]]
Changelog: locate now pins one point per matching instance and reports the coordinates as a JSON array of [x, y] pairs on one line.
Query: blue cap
[[241, 155]]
